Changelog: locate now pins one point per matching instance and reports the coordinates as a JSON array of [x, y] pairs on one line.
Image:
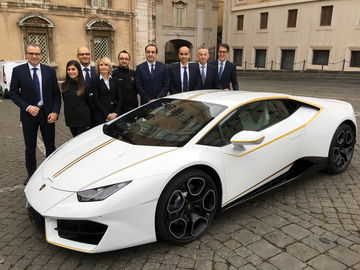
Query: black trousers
[[30, 126]]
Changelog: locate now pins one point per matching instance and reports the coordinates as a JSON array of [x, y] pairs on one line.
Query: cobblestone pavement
[[313, 223]]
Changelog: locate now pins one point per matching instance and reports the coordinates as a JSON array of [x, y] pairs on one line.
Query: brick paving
[[313, 223]]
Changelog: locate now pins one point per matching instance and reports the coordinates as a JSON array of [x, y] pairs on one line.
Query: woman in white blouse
[[108, 99]]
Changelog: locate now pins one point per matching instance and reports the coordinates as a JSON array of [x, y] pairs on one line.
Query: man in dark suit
[[208, 74], [89, 72], [84, 57], [152, 77], [34, 88], [184, 75], [225, 69]]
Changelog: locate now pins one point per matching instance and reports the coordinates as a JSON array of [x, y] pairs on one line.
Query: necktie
[[185, 81], [203, 74], [152, 70], [87, 76], [221, 69], [36, 84]]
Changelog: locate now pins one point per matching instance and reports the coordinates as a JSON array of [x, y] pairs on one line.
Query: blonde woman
[[108, 100]]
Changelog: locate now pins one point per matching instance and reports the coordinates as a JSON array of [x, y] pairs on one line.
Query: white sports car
[[165, 169]]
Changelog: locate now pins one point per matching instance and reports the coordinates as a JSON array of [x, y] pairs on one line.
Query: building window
[[101, 38], [240, 22], [320, 57], [179, 13], [264, 20], [99, 3], [39, 30], [41, 40], [326, 15], [355, 59], [260, 58], [101, 46], [292, 17], [238, 55]]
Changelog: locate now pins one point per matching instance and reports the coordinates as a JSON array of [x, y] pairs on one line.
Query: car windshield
[[164, 122]]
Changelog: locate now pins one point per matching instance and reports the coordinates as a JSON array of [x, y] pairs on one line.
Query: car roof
[[227, 98]]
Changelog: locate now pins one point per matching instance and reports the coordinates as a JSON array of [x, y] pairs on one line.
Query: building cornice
[[244, 7], [6, 6]]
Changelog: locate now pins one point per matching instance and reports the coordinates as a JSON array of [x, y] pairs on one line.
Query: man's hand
[[111, 116], [52, 117], [33, 110]]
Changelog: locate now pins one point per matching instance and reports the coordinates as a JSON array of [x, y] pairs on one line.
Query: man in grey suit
[[208, 75], [225, 69], [152, 76], [34, 89]]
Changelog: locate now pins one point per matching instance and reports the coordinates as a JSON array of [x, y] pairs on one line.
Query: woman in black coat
[[76, 99], [108, 97]]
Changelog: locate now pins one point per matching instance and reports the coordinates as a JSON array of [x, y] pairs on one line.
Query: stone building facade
[[106, 27], [294, 34], [185, 22], [61, 26]]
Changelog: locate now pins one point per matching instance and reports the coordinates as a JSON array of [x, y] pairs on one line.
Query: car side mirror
[[246, 137]]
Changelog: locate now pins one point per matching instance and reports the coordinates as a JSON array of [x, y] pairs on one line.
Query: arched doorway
[[172, 49]]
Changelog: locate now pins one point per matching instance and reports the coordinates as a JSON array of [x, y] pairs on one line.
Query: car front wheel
[[341, 149], [186, 207]]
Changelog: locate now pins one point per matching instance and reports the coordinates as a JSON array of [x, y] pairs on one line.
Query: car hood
[[86, 160]]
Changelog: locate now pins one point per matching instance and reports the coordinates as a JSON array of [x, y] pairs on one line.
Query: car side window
[[280, 109], [253, 116], [220, 135]]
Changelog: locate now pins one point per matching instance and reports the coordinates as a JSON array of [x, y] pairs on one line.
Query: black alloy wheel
[[186, 207], [341, 149]]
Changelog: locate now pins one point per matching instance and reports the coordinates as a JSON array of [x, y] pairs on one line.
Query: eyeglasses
[[124, 59], [33, 53], [222, 51], [83, 54]]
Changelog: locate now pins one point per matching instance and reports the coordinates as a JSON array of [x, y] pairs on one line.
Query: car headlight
[[100, 193]]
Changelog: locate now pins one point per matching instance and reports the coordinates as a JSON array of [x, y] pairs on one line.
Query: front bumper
[[124, 229]]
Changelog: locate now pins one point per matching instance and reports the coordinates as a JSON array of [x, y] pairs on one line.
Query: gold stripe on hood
[[72, 163], [119, 170]]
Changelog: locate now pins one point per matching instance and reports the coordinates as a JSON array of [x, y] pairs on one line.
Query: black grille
[[36, 219], [83, 231]]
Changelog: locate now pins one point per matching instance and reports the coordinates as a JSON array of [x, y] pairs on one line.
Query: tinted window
[[164, 122], [254, 116], [277, 111]]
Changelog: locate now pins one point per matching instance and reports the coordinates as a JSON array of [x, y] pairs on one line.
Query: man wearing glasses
[[226, 69], [89, 74], [125, 77], [84, 57], [34, 88]]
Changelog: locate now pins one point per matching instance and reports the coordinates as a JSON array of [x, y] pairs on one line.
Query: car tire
[[341, 149], [186, 207]]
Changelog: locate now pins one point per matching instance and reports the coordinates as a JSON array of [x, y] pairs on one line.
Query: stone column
[[199, 39], [144, 27]]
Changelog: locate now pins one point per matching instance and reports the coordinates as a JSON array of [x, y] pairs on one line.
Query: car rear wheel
[[186, 207], [341, 149]]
